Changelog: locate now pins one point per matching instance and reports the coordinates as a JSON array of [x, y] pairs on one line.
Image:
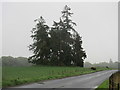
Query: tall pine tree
[[40, 47], [72, 48]]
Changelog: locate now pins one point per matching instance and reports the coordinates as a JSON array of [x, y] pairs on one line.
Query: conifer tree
[[40, 47], [59, 45]]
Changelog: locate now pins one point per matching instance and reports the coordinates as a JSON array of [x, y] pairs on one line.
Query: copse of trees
[[59, 45]]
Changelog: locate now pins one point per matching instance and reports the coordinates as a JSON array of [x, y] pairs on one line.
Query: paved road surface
[[92, 81]]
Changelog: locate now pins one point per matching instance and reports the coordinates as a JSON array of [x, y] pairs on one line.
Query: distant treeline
[[11, 61], [23, 61], [110, 64]]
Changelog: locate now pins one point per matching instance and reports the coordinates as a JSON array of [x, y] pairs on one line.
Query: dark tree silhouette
[[74, 41], [79, 54], [40, 47], [59, 45]]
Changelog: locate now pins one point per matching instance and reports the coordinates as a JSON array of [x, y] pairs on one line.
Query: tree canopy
[[59, 44]]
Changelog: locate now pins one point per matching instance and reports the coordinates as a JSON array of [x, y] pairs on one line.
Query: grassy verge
[[20, 75], [104, 85], [115, 78]]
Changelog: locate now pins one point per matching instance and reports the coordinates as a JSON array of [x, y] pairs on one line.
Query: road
[[90, 81]]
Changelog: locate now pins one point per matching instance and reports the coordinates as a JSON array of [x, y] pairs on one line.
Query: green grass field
[[20, 75]]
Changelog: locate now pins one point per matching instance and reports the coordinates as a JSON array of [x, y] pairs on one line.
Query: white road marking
[[95, 87]]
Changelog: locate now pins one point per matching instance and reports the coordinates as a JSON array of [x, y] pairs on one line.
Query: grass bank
[[115, 80], [104, 85], [20, 75]]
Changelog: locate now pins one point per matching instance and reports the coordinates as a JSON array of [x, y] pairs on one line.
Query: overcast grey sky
[[97, 23]]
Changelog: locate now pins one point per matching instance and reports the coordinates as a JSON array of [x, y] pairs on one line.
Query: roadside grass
[[13, 76], [104, 85]]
